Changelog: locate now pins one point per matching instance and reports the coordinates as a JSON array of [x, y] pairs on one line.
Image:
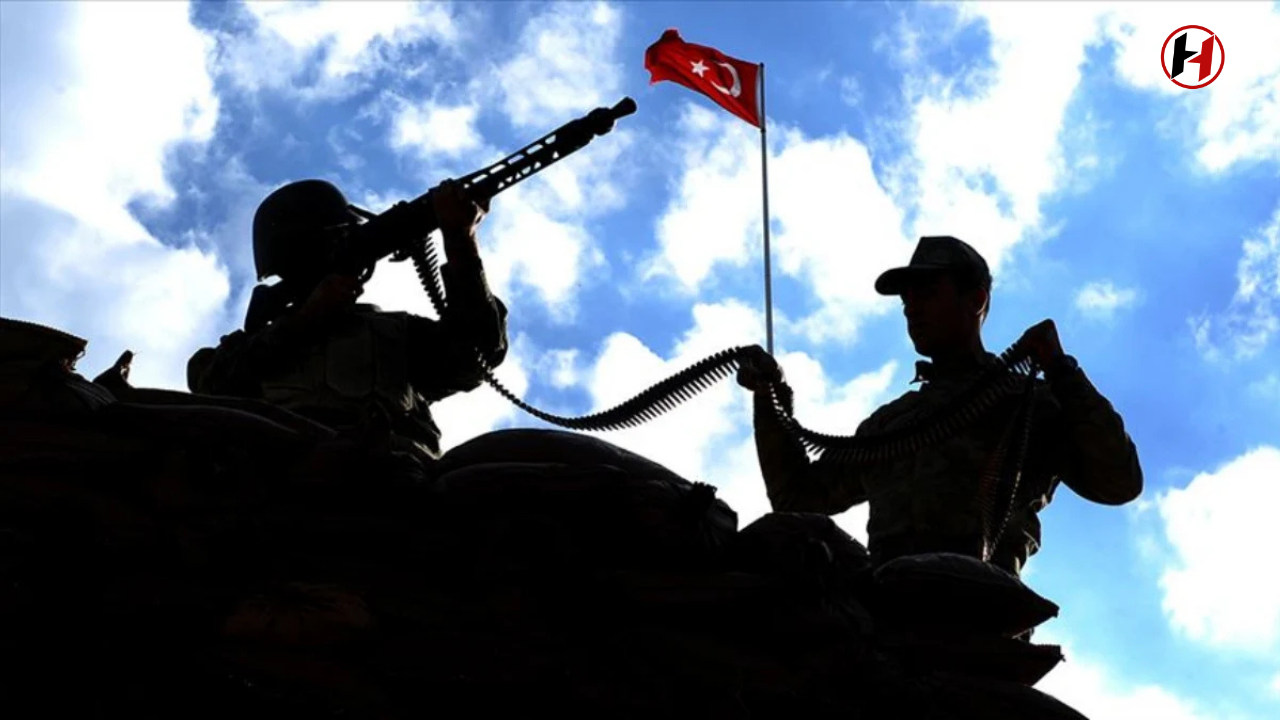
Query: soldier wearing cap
[[340, 362], [928, 501]]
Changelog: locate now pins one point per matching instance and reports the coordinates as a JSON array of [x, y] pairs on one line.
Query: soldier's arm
[[443, 353], [793, 482], [473, 314], [1095, 456], [242, 360]]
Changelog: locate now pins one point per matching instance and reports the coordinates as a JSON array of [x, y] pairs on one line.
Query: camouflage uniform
[[398, 362], [929, 501]]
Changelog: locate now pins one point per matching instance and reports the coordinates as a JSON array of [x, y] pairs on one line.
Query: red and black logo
[[1192, 56]]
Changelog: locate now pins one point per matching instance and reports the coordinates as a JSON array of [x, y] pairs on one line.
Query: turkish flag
[[731, 83]]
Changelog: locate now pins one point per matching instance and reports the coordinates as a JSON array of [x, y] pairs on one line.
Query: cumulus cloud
[[86, 121], [564, 65], [710, 437], [432, 128], [1246, 327], [1101, 299], [978, 167], [348, 41], [466, 415], [1212, 593], [625, 366], [987, 144], [1088, 684], [713, 222], [538, 244]]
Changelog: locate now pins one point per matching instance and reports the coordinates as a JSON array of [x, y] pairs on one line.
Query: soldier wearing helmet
[[340, 362]]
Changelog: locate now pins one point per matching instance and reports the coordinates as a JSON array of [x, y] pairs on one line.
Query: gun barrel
[[391, 231], [394, 230]]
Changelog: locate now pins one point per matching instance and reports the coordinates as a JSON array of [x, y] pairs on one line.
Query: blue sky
[[1145, 219]]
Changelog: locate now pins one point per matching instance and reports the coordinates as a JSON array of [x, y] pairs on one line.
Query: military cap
[[934, 254]]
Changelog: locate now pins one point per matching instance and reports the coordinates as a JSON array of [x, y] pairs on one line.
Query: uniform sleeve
[[443, 353], [241, 360], [1093, 454], [793, 482]]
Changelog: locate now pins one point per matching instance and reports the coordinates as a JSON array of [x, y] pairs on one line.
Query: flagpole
[[764, 177]]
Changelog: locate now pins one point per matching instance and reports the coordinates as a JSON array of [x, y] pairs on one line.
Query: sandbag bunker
[[153, 566]]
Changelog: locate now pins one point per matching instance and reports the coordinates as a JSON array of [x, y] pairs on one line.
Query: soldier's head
[[294, 230], [945, 291]]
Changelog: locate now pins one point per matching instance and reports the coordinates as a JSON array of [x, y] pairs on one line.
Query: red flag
[[730, 82]]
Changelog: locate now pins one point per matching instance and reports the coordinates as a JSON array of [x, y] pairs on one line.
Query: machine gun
[[400, 232]]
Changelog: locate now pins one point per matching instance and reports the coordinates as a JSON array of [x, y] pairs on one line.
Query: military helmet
[[287, 228]]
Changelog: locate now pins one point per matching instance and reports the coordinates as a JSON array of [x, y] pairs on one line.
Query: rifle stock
[[391, 233]]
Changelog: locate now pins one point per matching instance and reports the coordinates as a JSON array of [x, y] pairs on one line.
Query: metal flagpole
[[764, 176]]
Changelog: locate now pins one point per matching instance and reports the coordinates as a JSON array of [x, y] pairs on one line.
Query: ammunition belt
[[1011, 372]]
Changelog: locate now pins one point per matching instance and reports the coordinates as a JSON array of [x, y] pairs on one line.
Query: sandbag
[[538, 445], [820, 567], [978, 656], [969, 698], [797, 544], [957, 593], [600, 515]]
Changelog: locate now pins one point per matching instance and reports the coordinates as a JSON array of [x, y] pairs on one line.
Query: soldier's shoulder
[[901, 405]]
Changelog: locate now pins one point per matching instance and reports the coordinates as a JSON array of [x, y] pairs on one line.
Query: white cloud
[[715, 215], [1237, 118], [466, 415], [1212, 592], [352, 40], [983, 161], [431, 128], [87, 117], [537, 237], [715, 218], [1101, 299], [1246, 327], [979, 167], [564, 65], [722, 450], [562, 366], [1090, 686], [625, 366]]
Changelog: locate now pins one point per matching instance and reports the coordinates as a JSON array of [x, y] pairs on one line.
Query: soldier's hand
[[333, 294], [1041, 341], [458, 215], [758, 369]]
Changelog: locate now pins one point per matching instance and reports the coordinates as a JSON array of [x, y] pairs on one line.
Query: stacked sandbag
[[37, 378], [155, 564], [539, 499], [944, 612], [970, 698], [822, 568]]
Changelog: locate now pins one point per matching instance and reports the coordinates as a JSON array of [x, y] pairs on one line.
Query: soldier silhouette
[[928, 501], [340, 362]]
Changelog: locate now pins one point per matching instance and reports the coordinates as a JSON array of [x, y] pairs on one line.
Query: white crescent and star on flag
[[698, 68]]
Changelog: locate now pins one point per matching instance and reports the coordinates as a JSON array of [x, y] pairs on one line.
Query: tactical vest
[[363, 361]]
